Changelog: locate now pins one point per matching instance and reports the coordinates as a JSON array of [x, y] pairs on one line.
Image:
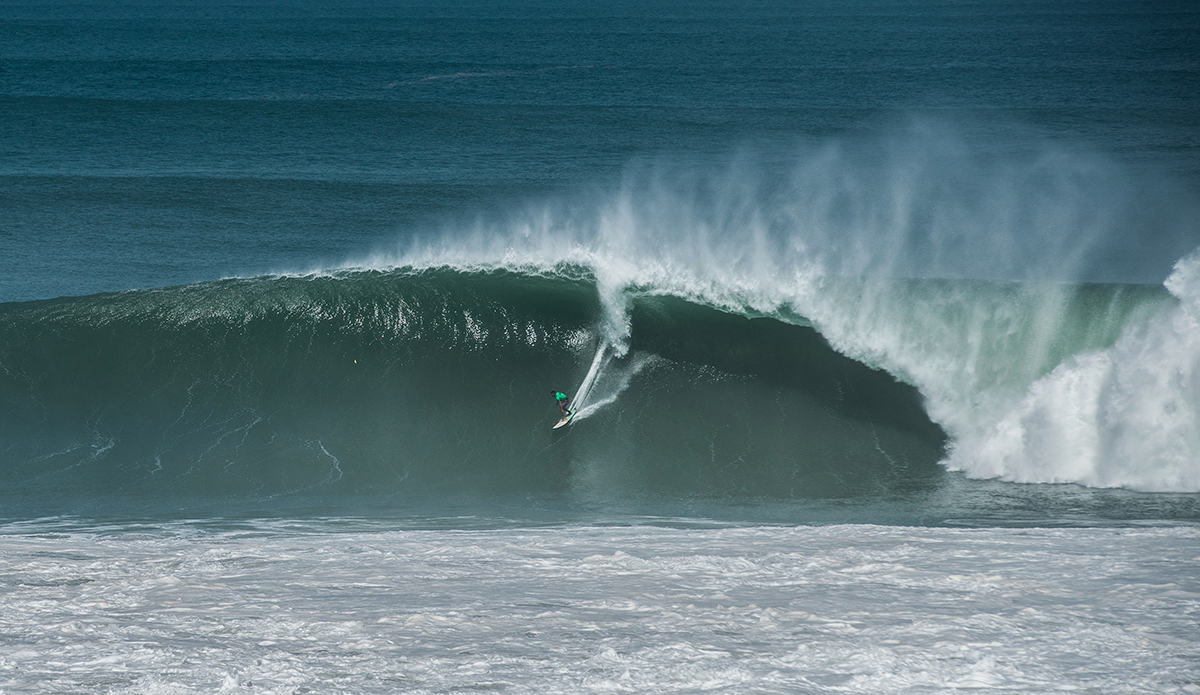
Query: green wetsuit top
[[559, 396]]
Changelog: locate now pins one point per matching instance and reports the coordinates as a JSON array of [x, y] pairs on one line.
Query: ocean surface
[[881, 319]]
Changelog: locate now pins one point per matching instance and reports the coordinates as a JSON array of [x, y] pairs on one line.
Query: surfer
[[563, 401]]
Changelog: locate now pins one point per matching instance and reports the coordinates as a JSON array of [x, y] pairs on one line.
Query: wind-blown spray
[[960, 267]]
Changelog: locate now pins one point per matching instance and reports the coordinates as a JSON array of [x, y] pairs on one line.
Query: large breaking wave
[[856, 326], [411, 381], [1017, 286]]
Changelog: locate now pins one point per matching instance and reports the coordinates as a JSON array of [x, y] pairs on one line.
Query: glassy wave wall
[[412, 381]]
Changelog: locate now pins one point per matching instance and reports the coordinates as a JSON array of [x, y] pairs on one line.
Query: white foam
[[840, 609], [1123, 416]]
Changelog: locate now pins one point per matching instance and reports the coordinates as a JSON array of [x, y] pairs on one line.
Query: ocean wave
[[418, 380], [793, 336], [1012, 285], [413, 381]]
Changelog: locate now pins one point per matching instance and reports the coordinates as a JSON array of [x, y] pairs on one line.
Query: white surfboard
[[570, 414]]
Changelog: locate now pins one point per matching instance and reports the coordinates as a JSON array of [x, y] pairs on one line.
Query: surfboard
[[570, 414]]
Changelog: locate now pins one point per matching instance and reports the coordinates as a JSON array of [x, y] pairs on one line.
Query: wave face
[[408, 382]]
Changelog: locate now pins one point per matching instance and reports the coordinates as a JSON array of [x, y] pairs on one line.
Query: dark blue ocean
[[881, 321], [146, 145]]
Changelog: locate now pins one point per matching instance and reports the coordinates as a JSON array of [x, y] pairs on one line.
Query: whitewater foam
[[300, 605], [1125, 416]]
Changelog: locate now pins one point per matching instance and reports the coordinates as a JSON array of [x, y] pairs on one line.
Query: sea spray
[[977, 351], [955, 265]]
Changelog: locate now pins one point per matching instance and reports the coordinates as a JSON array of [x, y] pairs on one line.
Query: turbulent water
[[263, 607], [882, 324]]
